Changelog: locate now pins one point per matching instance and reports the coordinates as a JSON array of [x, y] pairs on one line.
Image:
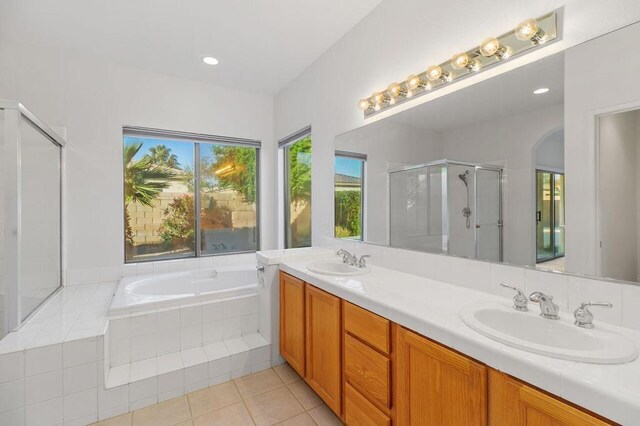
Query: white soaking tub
[[139, 294]]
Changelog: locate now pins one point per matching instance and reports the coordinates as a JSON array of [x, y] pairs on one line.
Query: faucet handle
[[537, 296], [520, 301], [584, 317], [361, 262]]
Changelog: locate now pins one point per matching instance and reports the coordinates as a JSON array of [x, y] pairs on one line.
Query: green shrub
[[348, 214]]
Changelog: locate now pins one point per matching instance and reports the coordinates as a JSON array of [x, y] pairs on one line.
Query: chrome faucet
[[520, 300], [361, 262], [548, 309], [347, 257], [584, 317]]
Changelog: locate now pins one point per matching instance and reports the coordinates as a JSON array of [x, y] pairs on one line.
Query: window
[[349, 194], [297, 189], [169, 176]]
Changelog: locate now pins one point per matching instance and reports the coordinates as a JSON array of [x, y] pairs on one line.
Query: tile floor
[[277, 396]]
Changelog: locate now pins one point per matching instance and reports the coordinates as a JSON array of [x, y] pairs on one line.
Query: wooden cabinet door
[[512, 402], [292, 320], [435, 385], [323, 332]]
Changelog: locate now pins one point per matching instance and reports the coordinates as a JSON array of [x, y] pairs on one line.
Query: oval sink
[[555, 338], [336, 268]]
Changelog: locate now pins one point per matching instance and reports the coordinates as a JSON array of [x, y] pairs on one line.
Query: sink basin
[[554, 338], [336, 268]]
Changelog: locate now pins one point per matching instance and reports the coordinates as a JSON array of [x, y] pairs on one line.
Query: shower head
[[463, 177]]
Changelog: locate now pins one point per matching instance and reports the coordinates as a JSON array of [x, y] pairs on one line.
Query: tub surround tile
[[168, 319], [12, 395], [82, 404], [171, 381], [43, 359], [212, 332], [145, 369], [143, 392], [212, 311], [190, 316], [143, 347], [195, 356], [80, 377], [80, 352], [168, 341], [170, 362], [47, 412], [143, 324], [118, 375], [12, 366], [190, 337], [216, 351], [43, 387]]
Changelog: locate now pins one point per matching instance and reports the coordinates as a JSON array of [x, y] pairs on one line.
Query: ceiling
[[262, 44], [501, 96]]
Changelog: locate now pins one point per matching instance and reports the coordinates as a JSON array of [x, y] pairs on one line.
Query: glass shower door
[[488, 214], [40, 270]]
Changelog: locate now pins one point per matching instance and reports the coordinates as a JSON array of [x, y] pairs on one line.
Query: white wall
[[402, 37], [618, 191], [549, 153], [591, 90], [93, 100]]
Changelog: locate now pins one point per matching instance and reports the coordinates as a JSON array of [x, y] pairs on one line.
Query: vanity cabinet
[[435, 385], [370, 371], [367, 366], [512, 402], [323, 352], [292, 329]]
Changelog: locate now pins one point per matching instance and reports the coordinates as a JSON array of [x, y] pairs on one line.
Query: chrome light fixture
[[528, 35]]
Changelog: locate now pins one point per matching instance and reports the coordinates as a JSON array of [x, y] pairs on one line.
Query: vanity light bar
[[528, 35]]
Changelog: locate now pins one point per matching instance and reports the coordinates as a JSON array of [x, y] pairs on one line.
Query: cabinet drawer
[[367, 371], [360, 412], [368, 327]]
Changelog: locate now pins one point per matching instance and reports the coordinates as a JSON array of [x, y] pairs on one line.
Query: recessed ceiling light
[[541, 90], [210, 60]]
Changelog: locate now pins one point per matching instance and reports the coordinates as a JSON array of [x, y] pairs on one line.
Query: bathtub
[[145, 293]]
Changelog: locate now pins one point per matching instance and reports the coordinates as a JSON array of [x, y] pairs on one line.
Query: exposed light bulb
[[461, 61], [529, 30], [364, 104], [435, 73], [413, 82], [491, 47], [396, 90], [379, 98]]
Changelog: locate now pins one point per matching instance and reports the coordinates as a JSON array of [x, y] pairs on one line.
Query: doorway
[[550, 216]]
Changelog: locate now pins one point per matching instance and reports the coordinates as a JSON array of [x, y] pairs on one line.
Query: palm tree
[[161, 155], [143, 181]]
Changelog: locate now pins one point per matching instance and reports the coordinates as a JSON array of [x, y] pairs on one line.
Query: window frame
[[363, 159], [284, 144], [197, 139]]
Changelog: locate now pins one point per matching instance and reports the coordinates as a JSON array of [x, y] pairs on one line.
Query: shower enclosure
[[30, 214], [447, 207]]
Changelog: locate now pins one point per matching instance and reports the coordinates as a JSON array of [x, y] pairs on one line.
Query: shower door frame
[[446, 223], [13, 113]]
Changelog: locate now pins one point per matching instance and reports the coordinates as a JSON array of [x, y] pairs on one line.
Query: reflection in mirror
[[619, 178], [478, 173]]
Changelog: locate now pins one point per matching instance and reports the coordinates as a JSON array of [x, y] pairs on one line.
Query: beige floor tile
[[274, 406], [286, 373], [213, 398], [323, 416], [300, 420], [169, 413], [236, 415], [187, 423], [305, 395], [257, 383], [121, 420]]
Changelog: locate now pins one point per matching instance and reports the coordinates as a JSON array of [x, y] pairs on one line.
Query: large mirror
[[480, 173]]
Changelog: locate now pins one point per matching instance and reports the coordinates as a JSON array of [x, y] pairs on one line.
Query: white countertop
[[431, 308]]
